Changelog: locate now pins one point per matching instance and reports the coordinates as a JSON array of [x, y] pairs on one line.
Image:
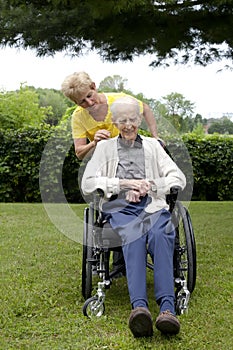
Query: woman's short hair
[[76, 84]]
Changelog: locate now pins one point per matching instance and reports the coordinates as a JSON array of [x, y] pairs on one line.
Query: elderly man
[[135, 174]]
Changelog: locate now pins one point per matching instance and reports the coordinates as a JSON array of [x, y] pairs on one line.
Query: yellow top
[[85, 126]]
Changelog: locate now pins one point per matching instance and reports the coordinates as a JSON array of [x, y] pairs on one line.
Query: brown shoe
[[140, 322], [167, 323]]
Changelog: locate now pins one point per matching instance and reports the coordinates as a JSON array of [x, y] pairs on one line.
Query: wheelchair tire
[[87, 255], [187, 246], [93, 307]]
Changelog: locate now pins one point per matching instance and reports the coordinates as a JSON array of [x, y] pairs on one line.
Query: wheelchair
[[96, 257]]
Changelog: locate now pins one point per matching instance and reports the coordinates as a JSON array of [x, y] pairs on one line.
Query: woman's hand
[[101, 135]]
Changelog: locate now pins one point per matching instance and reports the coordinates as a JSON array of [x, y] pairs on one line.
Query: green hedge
[[212, 161], [41, 162], [37, 162]]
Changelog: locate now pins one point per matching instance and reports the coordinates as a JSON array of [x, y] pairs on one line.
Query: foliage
[[182, 31], [42, 159], [22, 166], [177, 105], [20, 157], [198, 120], [212, 161], [177, 110], [113, 83], [222, 126], [198, 130], [56, 101], [67, 115], [41, 302], [29, 106], [21, 108]]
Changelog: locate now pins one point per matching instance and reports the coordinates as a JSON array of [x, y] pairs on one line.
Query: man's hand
[[133, 196], [141, 186]]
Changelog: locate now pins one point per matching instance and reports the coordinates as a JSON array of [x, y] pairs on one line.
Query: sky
[[208, 89]]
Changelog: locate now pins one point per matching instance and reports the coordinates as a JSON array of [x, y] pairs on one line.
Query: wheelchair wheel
[[93, 307], [87, 254], [185, 250]]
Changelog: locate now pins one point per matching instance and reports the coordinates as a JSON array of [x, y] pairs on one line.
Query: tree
[[198, 130], [56, 101], [112, 83], [188, 30], [21, 108], [177, 110], [199, 120], [178, 105], [222, 126]]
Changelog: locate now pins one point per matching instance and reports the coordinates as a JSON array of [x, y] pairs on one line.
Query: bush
[[35, 161], [212, 160], [41, 161], [19, 161]]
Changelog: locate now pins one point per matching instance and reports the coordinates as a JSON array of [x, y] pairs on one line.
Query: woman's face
[[88, 98]]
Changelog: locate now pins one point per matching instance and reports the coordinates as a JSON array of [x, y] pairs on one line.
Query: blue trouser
[[142, 232]]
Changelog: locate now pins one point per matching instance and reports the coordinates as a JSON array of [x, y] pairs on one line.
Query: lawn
[[41, 302]]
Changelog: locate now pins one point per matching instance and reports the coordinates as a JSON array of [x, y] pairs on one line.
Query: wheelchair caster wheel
[[93, 307]]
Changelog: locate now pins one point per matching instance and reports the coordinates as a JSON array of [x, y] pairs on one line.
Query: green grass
[[41, 302]]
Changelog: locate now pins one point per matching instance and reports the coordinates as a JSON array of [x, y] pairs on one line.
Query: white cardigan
[[101, 169]]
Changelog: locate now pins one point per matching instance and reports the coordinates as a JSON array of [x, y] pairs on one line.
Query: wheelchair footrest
[[182, 296]]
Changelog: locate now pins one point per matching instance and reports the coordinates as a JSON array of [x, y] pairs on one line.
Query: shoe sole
[[141, 325], [168, 326]]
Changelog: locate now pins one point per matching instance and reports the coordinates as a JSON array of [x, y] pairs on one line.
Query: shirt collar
[[137, 143]]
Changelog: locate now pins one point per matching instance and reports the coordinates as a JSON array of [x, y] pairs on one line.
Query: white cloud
[[209, 90]]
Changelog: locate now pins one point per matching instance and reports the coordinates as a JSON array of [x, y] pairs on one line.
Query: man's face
[[88, 98], [128, 123]]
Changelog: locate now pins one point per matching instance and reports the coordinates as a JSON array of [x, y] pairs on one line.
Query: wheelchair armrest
[[100, 192], [171, 198], [175, 190]]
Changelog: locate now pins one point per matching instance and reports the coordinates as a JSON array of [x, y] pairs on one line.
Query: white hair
[[123, 104]]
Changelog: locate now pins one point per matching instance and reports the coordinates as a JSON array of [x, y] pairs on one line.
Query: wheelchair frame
[[96, 258]]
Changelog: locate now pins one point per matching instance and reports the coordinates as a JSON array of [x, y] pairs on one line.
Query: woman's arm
[[150, 120], [82, 147]]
